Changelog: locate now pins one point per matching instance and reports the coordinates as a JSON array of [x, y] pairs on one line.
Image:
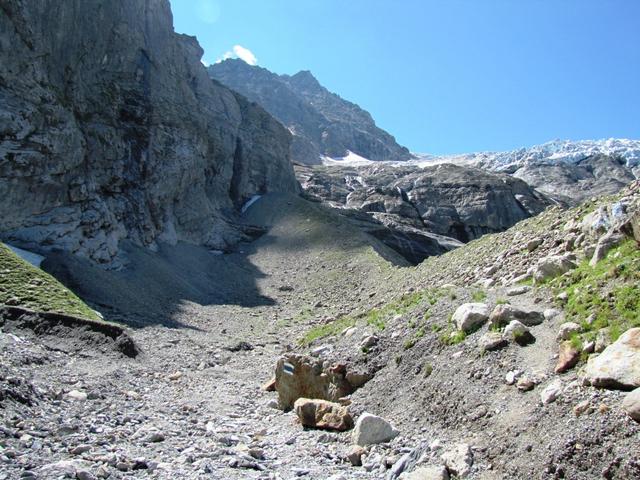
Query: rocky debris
[[551, 392], [568, 357], [322, 123], [519, 333], [459, 460], [468, 317], [431, 472], [323, 414], [354, 455], [371, 429], [491, 341], [143, 146], [525, 384], [299, 376], [552, 266], [369, 341], [76, 395], [567, 330], [504, 313], [631, 404], [618, 366], [518, 290]]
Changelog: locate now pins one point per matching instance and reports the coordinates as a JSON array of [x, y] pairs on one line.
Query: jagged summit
[[322, 123]]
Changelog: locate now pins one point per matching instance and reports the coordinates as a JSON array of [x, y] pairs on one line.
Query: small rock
[[354, 455], [533, 244], [551, 392], [582, 407], [567, 329], [552, 266], [76, 395], [491, 341], [631, 404], [468, 317], [175, 376], [371, 429], [517, 332], [511, 376], [458, 459], [269, 385], [524, 384], [323, 414], [567, 358], [505, 313], [518, 290], [369, 341]]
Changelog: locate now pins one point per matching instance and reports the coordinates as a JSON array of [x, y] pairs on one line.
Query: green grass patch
[[23, 285], [607, 295], [327, 330], [478, 295]]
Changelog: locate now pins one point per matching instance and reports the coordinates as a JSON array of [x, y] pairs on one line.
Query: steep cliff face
[[322, 123], [110, 128]]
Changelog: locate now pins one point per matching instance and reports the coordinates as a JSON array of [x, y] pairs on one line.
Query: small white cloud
[[238, 51], [204, 62]]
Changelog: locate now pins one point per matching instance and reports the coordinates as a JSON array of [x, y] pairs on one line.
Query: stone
[[568, 357], [354, 455], [458, 459], [468, 317], [323, 414], [518, 290], [371, 429], [504, 313], [85, 475], [511, 377], [605, 244], [551, 392], [369, 341], [519, 333], [431, 472], [631, 404], [551, 267], [491, 341], [299, 376], [603, 340], [618, 366], [533, 244], [552, 313], [76, 395], [582, 408], [567, 329], [524, 384]]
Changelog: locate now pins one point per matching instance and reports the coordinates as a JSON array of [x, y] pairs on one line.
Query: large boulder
[[618, 366], [459, 459], [323, 414], [371, 429], [505, 313], [430, 472], [300, 376], [551, 267], [468, 317]]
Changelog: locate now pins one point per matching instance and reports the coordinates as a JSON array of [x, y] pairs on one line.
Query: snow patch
[[251, 201], [351, 159], [33, 258]]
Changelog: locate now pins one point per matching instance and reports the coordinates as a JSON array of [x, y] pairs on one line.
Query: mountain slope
[[110, 128], [322, 123]]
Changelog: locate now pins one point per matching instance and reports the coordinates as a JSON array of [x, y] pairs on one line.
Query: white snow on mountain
[[551, 152]]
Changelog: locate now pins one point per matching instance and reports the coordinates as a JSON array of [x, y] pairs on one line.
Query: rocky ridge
[[110, 128], [422, 212], [322, 123]]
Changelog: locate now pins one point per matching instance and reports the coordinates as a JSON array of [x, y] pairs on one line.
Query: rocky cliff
[[110, 128], [429, 210], [322, 123]]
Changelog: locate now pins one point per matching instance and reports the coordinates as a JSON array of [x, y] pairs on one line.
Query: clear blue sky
[[449, 76]]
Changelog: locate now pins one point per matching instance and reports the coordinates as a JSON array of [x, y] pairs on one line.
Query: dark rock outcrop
[[445, 204], [110, 128], [321, 122]]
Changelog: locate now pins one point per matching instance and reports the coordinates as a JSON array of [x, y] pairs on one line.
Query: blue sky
[[449, 76]]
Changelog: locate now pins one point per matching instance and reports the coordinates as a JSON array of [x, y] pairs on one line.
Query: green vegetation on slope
[[607, 295], [22, 284]]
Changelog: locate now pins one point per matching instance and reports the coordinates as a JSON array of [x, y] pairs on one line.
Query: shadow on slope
[[156, 287]]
